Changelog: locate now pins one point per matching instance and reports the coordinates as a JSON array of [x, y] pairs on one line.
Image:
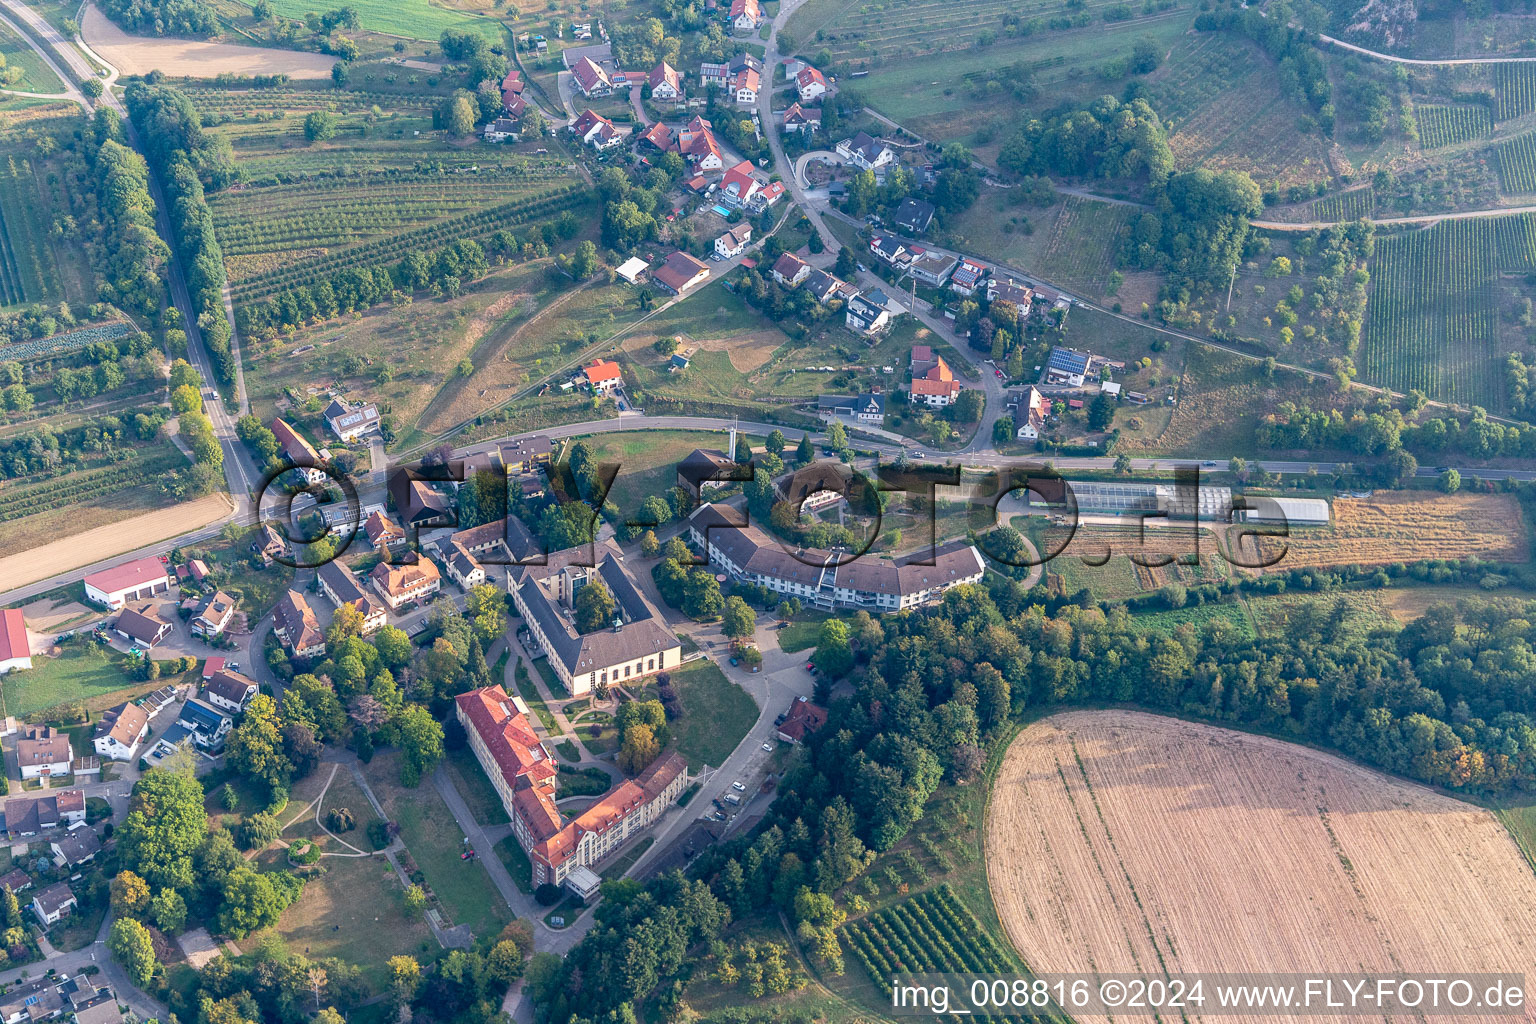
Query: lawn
[[36, 77], [626, 860], [647, 460], [469, 779], [354, 910], [83, 669], [515, 859], [530, 693], [801, 634], [1163, 623], [581, 782], [413, 19], [716, 714], [435, 842]]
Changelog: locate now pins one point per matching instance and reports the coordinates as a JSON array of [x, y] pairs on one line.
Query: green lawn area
[[36, 76], [354, 910], [547, 673], [716, 714], [803, 633], [626, 860], [1518, 813], [648, 459], [516, 862], [469, 779], [435, 842], [581, 782], [413, 19], [83, 669], [1163, 623], [530, 693]]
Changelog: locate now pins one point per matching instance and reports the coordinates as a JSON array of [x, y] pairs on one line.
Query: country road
[[1423, 61], [1425, 218]]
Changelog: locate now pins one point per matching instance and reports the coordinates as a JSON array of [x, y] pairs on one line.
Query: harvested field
[[139, 55], [1121, 841], [1406, 526]]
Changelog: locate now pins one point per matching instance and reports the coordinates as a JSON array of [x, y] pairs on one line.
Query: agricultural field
[[648, 459], [36, 265], [1084, 244], [1517, 164], [1125, 842], [1120, 561], [1447, 125], [1432, 317], [1515, 90], [1351, 205], [409, 19], [927, 932], [1405, 526]]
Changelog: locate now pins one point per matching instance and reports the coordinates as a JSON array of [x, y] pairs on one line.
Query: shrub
[[340, 820], [378, 834], [547, 895]]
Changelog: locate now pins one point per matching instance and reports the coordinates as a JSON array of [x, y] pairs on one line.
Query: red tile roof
[[130, 574], [13, 635], [602, 370], [803, 717]]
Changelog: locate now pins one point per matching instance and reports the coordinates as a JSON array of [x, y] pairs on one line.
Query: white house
[[746, 15], [744, 87], [353, 421], [865, 152], [120, 732], [229, 691], [500, 130], [54, 904], [15, 648], [867, 312], [734, 242], [131, 581], [43, 752], [811, 84]]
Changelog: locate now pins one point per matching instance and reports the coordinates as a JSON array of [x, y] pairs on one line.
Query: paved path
[[1427, 62], [1423, 218]]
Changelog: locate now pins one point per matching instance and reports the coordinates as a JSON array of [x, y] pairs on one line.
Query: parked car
[[768, 746], [735, 662]]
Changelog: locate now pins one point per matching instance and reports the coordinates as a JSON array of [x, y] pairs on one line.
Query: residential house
[[744, 86], [1029, 409], [867, 312], [890, 250], [382, 532], [15, 880], [15, 647], [205, 725], [99, 1008], [591, 78], [932, 268], [523, 773], [295, 625], [866, 408], [705, 468], [798, 119], [789, 270], [1009, 290], [142, 626], [270, 544], [913, 215], [666, 82], [54, 904], [502, 128], [349, 422], [602, 376], [500, 542], [595, 130], [865, 152], [401, 584], [936, 388], [342, 586], [680, 272], [739, 186], [921, 359], [229, 691], [214, 615], [79, 845], [1066, 366], [417, 502], [734, 242], [968, 278], [463, 568], [746, 554], [639, 643], [745, 16], [720, 75], [824, 286], [803, 718], [659, 136], [30, 815], [811, 84], [696, 142], [299, 452], [822, 484], [42, 752], [32, 1001], [131, 581], [120, 731]]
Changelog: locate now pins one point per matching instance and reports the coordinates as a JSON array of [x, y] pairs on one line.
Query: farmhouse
[[680, 272], [342, 586], [638, 644], [43, 752], [142, 626], [15, 648], [229, 691], [937, 387], [867, 312], [746, 15], [299, 452], [295, 625], [349, 422], [913, 215], [811, 84], [798, 119], [789, 270], [747, 554], [214, 616], [666, 82], [131, 581], [54, 904], [120, 731], [591, 79], [734, 242], [864, 152], [29, 815], [602, 376], [523, 773], [401, 584]]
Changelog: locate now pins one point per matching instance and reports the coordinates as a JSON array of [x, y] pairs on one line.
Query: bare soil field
[[139, 55], [1406, 526], [1125, 842], [103, 542]]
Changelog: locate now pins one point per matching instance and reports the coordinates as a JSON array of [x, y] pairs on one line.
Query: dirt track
[[138, 55], [113, 539], [1125, 842]]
